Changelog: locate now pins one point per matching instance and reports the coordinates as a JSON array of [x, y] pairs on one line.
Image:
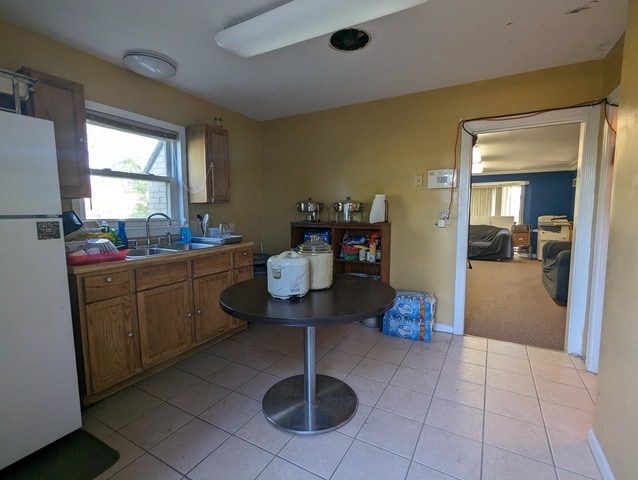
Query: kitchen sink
[[180, 247], [142, 252]]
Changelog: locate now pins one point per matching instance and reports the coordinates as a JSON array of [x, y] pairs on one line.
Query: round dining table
[[310, 403]]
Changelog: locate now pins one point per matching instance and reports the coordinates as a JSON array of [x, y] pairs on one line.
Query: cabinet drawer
[[158, 275], [242, 258], [104, 286], [212, 264]]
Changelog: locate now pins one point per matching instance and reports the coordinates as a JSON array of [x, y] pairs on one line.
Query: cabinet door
[[113, 346], [165, 322], [208, 164], [242, 273], [210, 319], [62, 101]]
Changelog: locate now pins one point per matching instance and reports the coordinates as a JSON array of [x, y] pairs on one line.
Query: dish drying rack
[[14, 86]]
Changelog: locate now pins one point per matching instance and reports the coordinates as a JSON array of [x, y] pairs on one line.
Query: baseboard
[[599, 456], [442, 327]]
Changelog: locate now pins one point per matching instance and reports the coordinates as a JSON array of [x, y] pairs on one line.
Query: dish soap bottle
[[185, 232], [121, 233]]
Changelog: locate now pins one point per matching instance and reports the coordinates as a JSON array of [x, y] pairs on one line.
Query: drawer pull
[[198, 311], [245, 254], [130, 335], [109, 279], [189, 314]]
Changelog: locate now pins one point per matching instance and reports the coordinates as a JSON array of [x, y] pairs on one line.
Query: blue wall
[[548, 193]]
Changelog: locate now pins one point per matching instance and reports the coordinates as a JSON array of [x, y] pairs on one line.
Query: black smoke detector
[[349, 40]]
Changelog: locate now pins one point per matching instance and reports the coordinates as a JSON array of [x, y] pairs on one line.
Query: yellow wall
[[616, 416], [378, 147], [117, 87]]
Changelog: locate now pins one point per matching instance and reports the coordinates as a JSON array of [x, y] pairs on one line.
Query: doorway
[[581, 287]]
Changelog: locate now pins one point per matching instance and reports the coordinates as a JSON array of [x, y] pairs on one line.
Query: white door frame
[[580, 285]]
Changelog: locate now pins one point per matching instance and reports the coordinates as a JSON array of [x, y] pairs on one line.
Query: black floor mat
[[76, 456]]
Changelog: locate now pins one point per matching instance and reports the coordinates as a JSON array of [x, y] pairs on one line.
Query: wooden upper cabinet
[[62, 101], [208, 164]]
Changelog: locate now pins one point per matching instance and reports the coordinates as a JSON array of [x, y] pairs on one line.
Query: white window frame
[[179, 194]]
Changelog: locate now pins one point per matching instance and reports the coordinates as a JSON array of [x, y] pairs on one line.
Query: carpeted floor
[[76, 456], [506, 301]]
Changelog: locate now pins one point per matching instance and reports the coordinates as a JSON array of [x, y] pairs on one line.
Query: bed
[[490, 238]]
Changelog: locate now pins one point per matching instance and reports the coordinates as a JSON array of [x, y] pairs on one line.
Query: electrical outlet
[[418, 180]]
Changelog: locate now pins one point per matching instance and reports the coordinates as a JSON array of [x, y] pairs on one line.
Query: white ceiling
[[437, 44]]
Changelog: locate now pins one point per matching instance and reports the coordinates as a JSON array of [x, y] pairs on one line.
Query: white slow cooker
[[288, 275]]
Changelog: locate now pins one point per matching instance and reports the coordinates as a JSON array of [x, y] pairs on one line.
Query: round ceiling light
[[349, 40], [150, 64]]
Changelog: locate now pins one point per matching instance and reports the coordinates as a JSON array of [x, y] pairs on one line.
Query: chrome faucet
[[148, 228]]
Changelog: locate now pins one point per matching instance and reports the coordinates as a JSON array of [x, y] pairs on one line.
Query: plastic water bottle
[[121, 233], [427, 335], [185, 232]]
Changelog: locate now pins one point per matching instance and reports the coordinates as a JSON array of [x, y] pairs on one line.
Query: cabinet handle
[[130, 335], [109, 279], [245, 254], [189, 314], [198, 311]]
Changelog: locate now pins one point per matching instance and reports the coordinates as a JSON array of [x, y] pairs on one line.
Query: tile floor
[[458, 408]]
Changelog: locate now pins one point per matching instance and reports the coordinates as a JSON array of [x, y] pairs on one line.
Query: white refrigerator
[[39, 398]]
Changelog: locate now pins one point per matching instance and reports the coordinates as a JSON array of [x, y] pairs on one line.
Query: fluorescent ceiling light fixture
[[300, 20], [477, 168], [150, 64]]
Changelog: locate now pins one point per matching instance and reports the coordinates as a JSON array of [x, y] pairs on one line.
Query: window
[[502, 199], [136, 166]]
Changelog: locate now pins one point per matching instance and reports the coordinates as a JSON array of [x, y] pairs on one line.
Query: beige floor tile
[[555, 373], [500, 464], [260, 432], [386, 353], [468, 355], [147, 466], [449, 453], [287, 367], [95, 427], [396, 342], [552, 357], [507, 348], [259, 358], [464, 371], [566, 419], [128, 453], [328, 339], [364, 461], [202, 364], [468, 341], [404, 402], [189, 445], [168, 383], [456, 418], [423, 381], [154, 426], [576, 397], [232, 412], [508, 364], [421, 472], [573, 453], [232, 375], [460, 391], [375, 369], [280, 469], [302, 451], [390, 432], [341, 361], [235, 458], [330, 372], [514, 405], [123, 407], [353, 427], [511, 382], [423, 360], [354, 346], [589, 379], [567, 475], [230, 349], [257, 386], [199, 397], [516, 436], [434, 348], [368, 391]]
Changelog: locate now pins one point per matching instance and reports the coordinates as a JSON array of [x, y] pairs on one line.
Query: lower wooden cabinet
[[133, 318], [112, 341]]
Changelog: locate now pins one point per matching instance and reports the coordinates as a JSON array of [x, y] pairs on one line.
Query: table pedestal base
[[285, 405]]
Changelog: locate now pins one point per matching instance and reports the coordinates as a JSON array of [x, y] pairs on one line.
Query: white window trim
[[182, 199]]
